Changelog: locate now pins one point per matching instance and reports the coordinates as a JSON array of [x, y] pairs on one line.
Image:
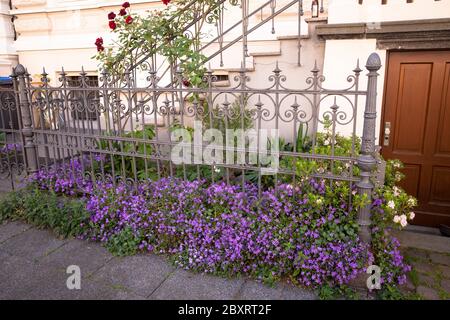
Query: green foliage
[[129, 165], [123, 244], [327, 292], [391, 292], [43, 209], [303, 143], [162, 32]]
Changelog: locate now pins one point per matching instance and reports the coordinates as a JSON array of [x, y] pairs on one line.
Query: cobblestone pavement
[[33, 265], [430, 275], [429, 255]]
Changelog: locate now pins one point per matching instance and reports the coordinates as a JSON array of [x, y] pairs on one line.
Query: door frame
[[385, 85]]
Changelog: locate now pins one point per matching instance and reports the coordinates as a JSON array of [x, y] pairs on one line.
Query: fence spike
[[277, 68], [315, 69], [357, 69]]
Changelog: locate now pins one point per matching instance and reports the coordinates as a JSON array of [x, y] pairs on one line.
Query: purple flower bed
[[387, 247], [297, 234], [306, 234]]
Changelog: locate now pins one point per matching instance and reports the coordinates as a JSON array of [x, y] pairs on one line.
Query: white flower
[[412, 202], [319, 201], [411, 215], [326, 142], [403, 221], [396, 191], [396, 219], [391, 204]]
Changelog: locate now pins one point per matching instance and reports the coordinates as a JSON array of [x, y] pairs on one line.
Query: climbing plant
[[163, 32]]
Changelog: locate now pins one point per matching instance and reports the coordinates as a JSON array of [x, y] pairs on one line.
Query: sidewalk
[[429, 255], [33, 265]]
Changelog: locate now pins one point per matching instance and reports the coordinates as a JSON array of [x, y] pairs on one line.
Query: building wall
[[50, 28], [349, 11], [8, 57], [341, 55]]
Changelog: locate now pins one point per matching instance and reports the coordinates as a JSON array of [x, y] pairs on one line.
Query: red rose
[[111, 15], [99, 44], [166, 2], [122, 12], [186, 83], [128, 20], [126, 4], [112, 25], [99, 41]]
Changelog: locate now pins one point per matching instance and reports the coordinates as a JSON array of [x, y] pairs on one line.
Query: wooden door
[[417, 109]]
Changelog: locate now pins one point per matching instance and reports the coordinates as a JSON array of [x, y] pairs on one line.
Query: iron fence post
[[27, 125], [366, 158]]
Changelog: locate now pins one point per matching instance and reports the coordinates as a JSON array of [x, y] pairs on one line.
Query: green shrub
[[124, 243], [44, 209]]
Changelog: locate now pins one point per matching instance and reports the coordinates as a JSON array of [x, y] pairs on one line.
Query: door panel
[[414, 84], [417, 106]]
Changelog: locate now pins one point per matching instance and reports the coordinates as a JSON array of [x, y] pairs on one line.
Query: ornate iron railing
[[131, 133]]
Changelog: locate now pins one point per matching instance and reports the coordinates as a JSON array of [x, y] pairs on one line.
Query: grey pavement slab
[[33, 265], [142, 274], [188, 285], [32, 244], [419, 240], [439, 258], [11, 229], [291, 292], [89, 256], [253, 290]]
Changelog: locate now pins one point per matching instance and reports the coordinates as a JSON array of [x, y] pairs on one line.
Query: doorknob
[[387, 133]]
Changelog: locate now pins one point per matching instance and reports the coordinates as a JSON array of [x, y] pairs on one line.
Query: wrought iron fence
[[11, 153], [96, 130]]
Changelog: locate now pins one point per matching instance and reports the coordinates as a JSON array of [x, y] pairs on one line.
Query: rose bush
[[162, 32]]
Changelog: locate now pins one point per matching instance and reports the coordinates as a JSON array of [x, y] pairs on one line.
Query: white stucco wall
[[8, 57], [349, 11], [341, 57]]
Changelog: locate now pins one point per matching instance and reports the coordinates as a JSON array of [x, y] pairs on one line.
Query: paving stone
[[445, 270], [417, 254], [89, 290], [422, 241], [32, 244], [187, 285], [12, 228], [142, 274], [291, 292], [423, 267], [16, 276], [440, 258], [89, 256], [253, 290], [428, 293], [445, 284], [426, 280], [409, 285]]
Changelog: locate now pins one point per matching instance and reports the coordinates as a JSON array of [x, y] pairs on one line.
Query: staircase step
[[265, 54], [293, 37]]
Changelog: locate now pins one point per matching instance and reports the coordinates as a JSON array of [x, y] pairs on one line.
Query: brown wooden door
[[417, 106]]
